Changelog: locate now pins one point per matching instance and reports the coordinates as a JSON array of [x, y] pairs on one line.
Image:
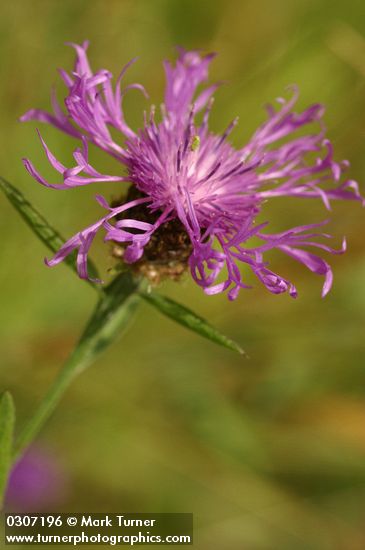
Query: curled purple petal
[[314, 263]]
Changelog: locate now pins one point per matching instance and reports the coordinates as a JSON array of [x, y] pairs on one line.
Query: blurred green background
[[268, 452]]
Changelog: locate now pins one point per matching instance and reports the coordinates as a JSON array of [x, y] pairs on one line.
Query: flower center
[[166, 254]]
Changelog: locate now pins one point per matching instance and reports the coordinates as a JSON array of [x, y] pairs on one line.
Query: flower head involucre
[[184, 172]]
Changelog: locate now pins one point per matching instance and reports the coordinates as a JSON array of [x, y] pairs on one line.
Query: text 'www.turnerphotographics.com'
[[104, 529]]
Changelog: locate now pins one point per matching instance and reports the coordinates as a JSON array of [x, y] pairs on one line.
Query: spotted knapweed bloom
[[193, 197]]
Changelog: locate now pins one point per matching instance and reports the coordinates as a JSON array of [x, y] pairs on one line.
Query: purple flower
[[184, 172], [37, 482]]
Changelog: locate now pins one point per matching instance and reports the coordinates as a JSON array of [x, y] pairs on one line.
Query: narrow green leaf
[[7, 421], [112, 315], [40, 227], [189, 319]]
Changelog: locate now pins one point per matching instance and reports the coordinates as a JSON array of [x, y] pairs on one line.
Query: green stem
[[77, 361], [7, 422], [112, 314]]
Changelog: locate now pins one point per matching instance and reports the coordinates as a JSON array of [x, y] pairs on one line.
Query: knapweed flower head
[[190, 185]]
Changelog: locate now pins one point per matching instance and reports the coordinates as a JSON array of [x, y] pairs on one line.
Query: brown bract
[[166, 254]]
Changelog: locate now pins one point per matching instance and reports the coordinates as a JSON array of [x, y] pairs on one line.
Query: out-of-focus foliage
[[7, 422], [268, 452]]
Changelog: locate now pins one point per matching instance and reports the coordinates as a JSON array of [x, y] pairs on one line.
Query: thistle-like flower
[[190, 187]]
